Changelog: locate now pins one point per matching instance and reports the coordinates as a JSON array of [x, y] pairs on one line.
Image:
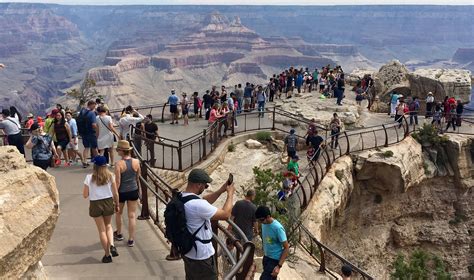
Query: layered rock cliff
[[29, 210]]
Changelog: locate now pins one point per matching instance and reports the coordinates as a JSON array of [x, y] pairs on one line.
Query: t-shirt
[[73, 126], [394, 98], [199, 212], [213, 116], [315, 141], [10, 125], [273, 237], [91, 119], [261, 96], [244, 216], [98, 192], [239, 92], [173, 100], [293, 166], [291, 141], [47, 125], [41, 147], [248, 92], [151, 129]]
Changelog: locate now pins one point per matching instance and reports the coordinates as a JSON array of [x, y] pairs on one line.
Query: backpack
[[82, 122], [176, 226]]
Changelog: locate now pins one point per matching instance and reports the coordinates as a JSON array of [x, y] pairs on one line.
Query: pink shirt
[[213, 116]]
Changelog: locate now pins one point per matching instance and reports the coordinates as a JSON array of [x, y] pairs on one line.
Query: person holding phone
[[41, 147]]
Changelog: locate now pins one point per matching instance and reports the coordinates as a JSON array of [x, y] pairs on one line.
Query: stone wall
[[29, 210]]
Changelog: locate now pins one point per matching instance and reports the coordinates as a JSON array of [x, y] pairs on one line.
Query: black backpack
[[82, 122], [176, 229]]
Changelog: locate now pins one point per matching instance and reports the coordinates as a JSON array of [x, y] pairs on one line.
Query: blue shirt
[[248, 92], [41, 147], [173, 100], [394, 98], [73, 125], [273, 237]]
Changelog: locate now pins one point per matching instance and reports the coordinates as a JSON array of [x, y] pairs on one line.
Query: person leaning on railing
[[12, 128]]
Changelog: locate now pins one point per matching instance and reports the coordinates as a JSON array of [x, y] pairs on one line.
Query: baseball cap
[[295, 157], [34, 126], [198, 175], [99, 160], [346, 270], [292, 131], [262, 212]]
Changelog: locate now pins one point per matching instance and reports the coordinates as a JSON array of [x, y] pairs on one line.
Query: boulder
[[391, 173], [454, 82], [460, 153], [30, 209], [253, 144]]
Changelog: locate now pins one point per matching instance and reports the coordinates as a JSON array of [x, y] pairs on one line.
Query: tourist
[[151, 134], [335, 126], [446, 107], [40, 121], [214, 116], [62, 136], [291, 142], [243, 215], [127, 172], [275, 244], [236, 108], [459, 111], [315, 144], [131, 117], [208, 102], [197, 106], [199, 262], [311, 127], [271, 89], [106, 132], [173, 100], [285, 192], [414, 107], [293, 166], [429, 105], [346, 271], [101, 190], [15, 114], [400, 112], [451, 117], [42, 150], [247, 97], [322, 83], [48, 124], [224, 119], [261, 97], [239, 93], [185, 109], [438, 114], [30, 121], [393, 103], [87, 127], [73, 146], [340, 87], [299, 81]]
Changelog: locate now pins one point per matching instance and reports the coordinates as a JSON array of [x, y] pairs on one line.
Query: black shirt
[[244, 216], [315, 141], [150, 129]]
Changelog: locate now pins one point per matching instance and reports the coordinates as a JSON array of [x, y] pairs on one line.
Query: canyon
[[138, 53]]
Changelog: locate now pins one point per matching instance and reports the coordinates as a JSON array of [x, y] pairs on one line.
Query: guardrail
[[242, 266]]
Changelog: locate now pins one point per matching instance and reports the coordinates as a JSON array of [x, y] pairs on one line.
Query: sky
[[249, 2]]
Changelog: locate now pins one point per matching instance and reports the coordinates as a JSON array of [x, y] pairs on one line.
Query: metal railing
[[242, 266]]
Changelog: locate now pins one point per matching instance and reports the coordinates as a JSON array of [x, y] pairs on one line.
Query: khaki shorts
[[71, 145], [102, 207]]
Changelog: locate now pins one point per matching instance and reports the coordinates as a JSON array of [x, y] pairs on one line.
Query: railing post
[[233, 122], [163, 113], [215, 230], [348, 143], [273, 121], [180, 155], [406, 127], [322, 267], [145, 213], [386, 136], [204, 143]]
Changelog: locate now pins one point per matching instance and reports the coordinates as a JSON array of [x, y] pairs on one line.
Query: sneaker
[[107, 259], [67, 164], [113, 251], [131, 243], [118, 236], [57, 162]]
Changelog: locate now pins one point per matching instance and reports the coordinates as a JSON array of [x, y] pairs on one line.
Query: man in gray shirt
[[239, 93], [243, 215], [11, 127]]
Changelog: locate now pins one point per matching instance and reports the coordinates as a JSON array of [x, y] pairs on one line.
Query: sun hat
[[198, 175], [430, 93], [99, 160], [123, 145], [30, 115]]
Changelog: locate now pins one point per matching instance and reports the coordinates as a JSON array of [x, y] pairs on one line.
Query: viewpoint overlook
[[346, 153]]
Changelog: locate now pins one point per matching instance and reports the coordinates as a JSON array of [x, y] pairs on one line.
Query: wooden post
[[180, 156], [145, 213]]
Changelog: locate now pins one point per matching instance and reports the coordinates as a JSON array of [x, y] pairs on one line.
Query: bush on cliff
[[428, 135], [421, 265]]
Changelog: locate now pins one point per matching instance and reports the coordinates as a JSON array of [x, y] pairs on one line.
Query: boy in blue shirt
[[275, 244]]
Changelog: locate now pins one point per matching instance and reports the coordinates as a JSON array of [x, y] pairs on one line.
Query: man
[[208, 102], [340, 89], [261, 97], [72, 146], [11, 128], [414, 107], [243, 215], [315, 141], [429, 105], [173, 100], [275, 244], [151, 133], [247, 96], [393, 103], [199, 263], [239, 93], [89, 137], [346, 271], [131, 117], [291, 141], [30, 121]]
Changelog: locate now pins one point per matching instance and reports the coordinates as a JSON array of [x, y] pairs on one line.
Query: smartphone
[[230, 180]]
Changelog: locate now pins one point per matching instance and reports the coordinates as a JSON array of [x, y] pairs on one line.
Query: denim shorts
[[89, 141]]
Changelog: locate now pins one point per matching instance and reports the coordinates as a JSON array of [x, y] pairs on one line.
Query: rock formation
[[30, 209]]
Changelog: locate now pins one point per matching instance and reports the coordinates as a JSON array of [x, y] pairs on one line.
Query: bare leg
[[99, 221], [118, 218], [109, 230], [111, 155], [132, 218]]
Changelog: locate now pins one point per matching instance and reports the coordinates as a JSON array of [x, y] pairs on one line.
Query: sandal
[[172, 258]]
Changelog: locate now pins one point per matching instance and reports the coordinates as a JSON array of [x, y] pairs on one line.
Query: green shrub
[[231, 147], [387, 154], [425, 167], [421, 265], [263, 136], [428, 135]]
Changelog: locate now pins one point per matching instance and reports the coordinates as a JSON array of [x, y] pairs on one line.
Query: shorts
[[185, 111], [247, 100], [42, 163], [72, 146], [200, 269], [89, 141], [291, 154], [321, 87], [62, 143], [132, 196], [174, 109], [101, 208]]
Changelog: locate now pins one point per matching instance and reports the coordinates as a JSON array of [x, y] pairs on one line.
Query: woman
[[400, 112], [101, 190], [451, 117], [127, 171], [15, 114], [41, 149], [335, 126], [185, 109], [62, 135], [223, 119], [106, 132], [213, 117], [459, 111]]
